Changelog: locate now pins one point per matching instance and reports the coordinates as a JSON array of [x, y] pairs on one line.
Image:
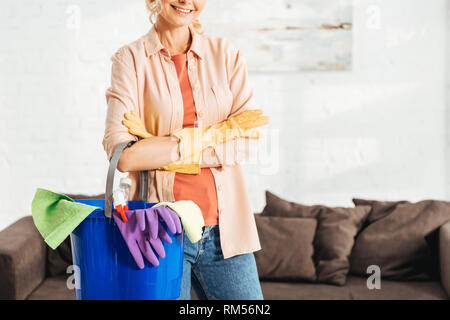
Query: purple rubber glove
[[162, 213], [137, 240]]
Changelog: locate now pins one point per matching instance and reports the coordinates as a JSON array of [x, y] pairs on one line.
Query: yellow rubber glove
[[238, 126], [191, 165], [243, 122], [135, 125], [194, 140]]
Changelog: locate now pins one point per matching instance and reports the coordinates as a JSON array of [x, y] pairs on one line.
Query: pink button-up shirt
[[144, 79]]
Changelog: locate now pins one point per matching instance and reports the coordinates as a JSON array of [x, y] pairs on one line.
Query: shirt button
[[220, 211], [219, 187], [192, 67], [200, 114]]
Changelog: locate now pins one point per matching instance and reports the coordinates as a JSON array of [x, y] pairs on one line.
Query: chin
[[180, 22]]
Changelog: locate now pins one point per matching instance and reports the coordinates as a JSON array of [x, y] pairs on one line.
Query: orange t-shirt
[[199, 188]]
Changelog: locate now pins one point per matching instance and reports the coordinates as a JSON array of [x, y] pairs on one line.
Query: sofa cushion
[[334, 241], [22, 259], [444, 256], [85, 196], [284, 290], [53, 288], [278, 207], [394, 240], [432, 240], [287, 248], [355, 289], [336, 230], [379, 209], [59, 259]]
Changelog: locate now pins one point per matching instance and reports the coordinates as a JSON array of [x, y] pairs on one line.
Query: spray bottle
[[120, 197]]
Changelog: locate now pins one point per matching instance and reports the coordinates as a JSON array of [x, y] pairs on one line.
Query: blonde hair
[[152, 6]]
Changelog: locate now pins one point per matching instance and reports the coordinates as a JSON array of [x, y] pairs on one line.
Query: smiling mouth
[[181, 10]]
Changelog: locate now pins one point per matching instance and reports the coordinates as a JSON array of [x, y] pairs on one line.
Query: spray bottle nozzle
[[120, 204]]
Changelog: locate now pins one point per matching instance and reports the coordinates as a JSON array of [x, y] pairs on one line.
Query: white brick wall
[[55, 68], [447, 158], [378, 131]]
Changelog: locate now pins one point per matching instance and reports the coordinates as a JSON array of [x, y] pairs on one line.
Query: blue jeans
[[214, 278]]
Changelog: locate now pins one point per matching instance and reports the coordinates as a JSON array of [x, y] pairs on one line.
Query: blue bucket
[[107, 270]]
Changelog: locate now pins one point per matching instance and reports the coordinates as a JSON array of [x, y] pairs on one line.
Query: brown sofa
[[24, 260]]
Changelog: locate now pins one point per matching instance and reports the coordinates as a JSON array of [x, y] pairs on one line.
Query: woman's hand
[[135, 125]]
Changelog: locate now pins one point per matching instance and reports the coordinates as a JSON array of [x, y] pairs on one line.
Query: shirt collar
[[153, 44]]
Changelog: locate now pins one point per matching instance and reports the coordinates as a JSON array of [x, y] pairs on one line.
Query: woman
[[175, 77]]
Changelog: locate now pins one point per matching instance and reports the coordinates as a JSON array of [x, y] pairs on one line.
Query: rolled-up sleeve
[[121, 97], [241, 149]]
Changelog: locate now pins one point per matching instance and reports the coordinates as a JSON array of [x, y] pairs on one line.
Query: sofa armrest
[[444, 256], [22, 259]]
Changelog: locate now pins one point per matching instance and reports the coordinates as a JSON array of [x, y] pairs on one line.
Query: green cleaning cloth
[[190, 215], [56, 215]]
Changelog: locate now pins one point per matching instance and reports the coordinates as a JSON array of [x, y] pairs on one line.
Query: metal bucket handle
[[143, 179]]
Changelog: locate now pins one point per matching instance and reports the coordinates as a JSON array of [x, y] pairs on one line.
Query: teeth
[[182, 10]]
